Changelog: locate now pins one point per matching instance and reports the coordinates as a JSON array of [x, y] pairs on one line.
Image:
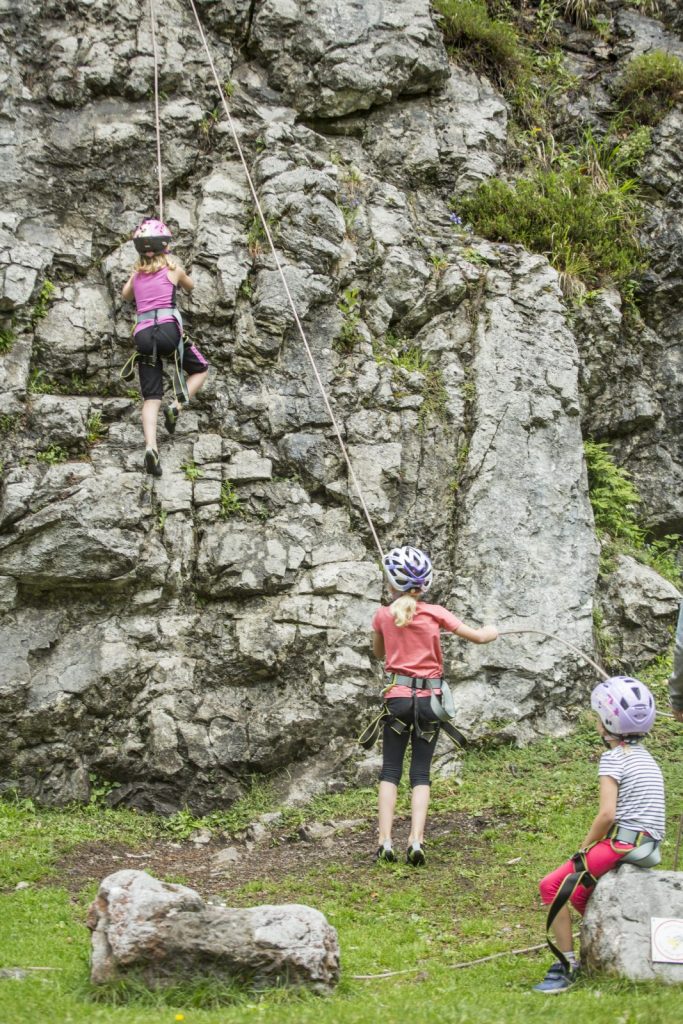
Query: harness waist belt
[[415, 682], [154, 314], [628, 835]]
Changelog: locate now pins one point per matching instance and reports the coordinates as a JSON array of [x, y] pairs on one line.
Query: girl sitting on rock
[[158, 331], [630, 816], [407, 635]]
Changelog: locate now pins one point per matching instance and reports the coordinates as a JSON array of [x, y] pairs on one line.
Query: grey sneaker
[[558, 979]]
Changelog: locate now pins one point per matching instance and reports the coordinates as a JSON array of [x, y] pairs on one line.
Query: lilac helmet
[[151, 236], [625, 706], [408, 569]]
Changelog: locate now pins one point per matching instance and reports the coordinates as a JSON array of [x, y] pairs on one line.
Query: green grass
[[650, 86], [587, 231], [478, 896], [490, 45]]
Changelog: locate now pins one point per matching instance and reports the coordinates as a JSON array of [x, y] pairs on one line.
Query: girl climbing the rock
[[629, 824], [159, 331], [407, 635]]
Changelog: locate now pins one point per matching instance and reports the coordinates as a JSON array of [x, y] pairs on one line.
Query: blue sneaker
[[558, 979]]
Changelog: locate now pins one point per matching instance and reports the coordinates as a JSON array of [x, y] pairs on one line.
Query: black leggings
[[394, 744]]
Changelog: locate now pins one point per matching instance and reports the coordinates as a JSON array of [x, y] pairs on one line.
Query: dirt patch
[[213, 871]]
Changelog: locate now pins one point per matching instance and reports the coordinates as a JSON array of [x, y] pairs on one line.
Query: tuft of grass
[[192, 471], [230, 502], [52, 455], [7, 339], [577, 207], [39, 383], [490, 45], [256, 235], [650, 86], [95, 428], [348, 305], [580, 12], [45, 297]]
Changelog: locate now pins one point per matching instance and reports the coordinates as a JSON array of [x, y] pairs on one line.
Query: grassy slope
[[469, 903]]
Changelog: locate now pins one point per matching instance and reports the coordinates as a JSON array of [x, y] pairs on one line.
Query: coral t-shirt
[[415, 649]]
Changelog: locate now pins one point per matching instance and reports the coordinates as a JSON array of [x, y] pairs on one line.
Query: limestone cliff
[[177, 636]]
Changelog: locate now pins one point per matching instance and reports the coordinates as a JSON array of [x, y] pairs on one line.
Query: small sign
[[667, 940]]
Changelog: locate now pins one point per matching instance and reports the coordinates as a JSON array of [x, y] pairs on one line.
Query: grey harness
[[151, 316]]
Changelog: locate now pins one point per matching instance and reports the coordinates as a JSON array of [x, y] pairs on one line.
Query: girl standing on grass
[[158, 331], [407, 635], [630, 816]]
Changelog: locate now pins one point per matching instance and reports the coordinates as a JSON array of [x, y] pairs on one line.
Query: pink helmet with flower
[[151, 236], [625, 706]]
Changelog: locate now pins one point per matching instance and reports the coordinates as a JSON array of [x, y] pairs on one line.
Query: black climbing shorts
[[167, 337], [394, 745]]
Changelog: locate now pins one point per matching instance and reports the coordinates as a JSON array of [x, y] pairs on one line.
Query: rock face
[[176, 636], [616, 929], [163, 933]]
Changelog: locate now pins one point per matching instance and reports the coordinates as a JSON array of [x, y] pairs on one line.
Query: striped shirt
[[640, 801]]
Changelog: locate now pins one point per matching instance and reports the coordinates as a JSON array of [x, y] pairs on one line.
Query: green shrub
[[587, 231], [230, 502], [615, 499], [612, 495], [491, 46], [349, 306], [650, 86]]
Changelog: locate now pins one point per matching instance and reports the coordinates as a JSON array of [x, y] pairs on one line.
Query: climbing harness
[[443, 708], [178, 378], [645, 854]]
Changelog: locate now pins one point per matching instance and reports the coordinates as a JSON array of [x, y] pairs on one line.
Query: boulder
[[162, 932], [617, 928], [639, 609]]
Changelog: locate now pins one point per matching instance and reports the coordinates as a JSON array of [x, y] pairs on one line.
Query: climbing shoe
[[385, 855], [171, 414], [152, 464], [558, 979], [415, 855]]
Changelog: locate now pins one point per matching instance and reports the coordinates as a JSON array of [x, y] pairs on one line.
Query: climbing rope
[[152, 14], [280, 270]]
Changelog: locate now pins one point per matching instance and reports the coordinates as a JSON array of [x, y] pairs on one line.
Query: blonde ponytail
[[151, 264], [403, 609]]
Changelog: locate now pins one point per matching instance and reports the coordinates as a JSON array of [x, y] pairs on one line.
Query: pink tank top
[[153, 291]]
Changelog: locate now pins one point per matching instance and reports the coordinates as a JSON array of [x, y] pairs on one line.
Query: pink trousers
[[600, 859]]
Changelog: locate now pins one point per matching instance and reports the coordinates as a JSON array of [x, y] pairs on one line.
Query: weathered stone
[[638, 609], [332, 59], [616, 929], [165, 932]]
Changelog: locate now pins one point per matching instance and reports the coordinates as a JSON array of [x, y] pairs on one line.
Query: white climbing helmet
[[408, 569], [625, 706]]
